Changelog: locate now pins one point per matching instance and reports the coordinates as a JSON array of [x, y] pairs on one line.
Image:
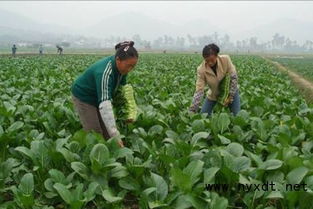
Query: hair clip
[[126, 48]]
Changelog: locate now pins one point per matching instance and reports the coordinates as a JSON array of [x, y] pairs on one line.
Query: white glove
[[107, 115]]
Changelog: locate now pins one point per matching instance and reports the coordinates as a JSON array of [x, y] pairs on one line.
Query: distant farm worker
[[60, 49], [14, 49], [40, 49], [94, 90], [219, 73]]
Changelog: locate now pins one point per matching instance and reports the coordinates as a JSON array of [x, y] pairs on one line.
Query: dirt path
[[304, 85]]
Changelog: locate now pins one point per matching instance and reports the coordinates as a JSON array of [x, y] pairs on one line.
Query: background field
[[48, 162], [300, 64]]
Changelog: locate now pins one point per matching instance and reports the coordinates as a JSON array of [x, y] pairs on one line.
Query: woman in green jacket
[[95, 89]]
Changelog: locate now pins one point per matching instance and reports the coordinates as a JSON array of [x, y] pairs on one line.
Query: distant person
[[14, 49], [60, 50], [211, 72], [94, 90], [40, 50]]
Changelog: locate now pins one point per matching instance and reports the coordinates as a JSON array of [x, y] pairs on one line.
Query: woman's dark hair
[[210, 49], [125, 50]]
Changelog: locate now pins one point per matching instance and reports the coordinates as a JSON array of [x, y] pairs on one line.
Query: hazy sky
[[232, 14], [240, 19]]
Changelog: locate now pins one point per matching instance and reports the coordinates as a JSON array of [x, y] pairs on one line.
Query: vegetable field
[[300, 65], [171, 155]]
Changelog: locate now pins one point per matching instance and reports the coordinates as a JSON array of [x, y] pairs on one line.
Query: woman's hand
[[120, 143], [129, 121], [191, 110], [227, 101]]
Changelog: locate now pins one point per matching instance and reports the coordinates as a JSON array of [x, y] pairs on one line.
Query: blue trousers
[[234, 106]]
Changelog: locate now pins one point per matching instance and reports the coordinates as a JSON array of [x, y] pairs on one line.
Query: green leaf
[[99, 153], [9, 107], [296, 175], [275, 195], [15, 126], [182, 202], [148, 191], [181, 180], [309, 182], [27, 184], [49, 184], [154, 130], [195, 201], [235, 149], [50, 194], [209, 175], [256, 158], [156, 204], [81, 169], [68, 155], [172, 134], [242, 118], [57, 176], [25, 151], [237, 164], [64, 193], [200, 135], [194, 169], [197, 126], [129, 184], [90, 192], [223, 122], [123, 152], [161, 186], [77, 195], [218, 202], [5, 170], [223, 139], [119, 172], [108, 196], [1, 131], [271, 164], [41, 153], [242, 163]]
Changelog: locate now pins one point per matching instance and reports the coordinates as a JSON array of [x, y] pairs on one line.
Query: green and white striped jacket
[[99, 82]]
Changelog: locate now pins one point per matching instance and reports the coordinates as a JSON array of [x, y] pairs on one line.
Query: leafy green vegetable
[[224, 88], [47, 160]]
